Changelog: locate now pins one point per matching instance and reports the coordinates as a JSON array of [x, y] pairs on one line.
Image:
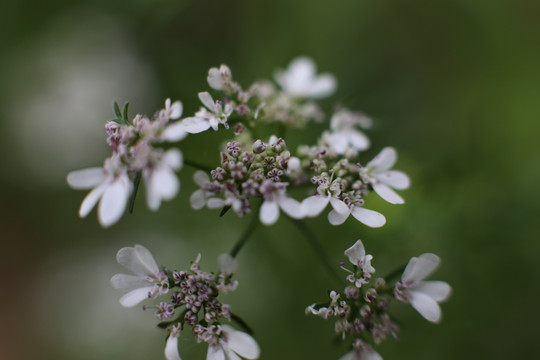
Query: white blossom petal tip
[[356, 253]]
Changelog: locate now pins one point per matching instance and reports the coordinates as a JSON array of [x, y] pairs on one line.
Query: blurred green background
[[453, 85]]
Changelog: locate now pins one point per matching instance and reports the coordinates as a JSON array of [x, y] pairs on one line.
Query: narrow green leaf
[[136, 182], [224, 210], [117, 110], [125, 112]]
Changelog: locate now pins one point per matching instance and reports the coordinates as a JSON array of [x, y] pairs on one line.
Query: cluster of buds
[[362, 310], [134, 156], [260, 172], [291, 103], [193, 301]]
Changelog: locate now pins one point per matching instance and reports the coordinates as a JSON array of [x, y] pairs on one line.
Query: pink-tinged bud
[[259, 146]]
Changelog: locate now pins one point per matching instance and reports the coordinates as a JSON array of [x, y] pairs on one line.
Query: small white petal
[[195, 125], [339, 142], [339, 206], [349, 356], [214, 79], [269, 212], [201, 178], [137, 259], [215, 203], [227, 264], [294, 163], [215, 352], [356, 253], [174, 132], [437, 290], [171, 348], [176, 110], [207, 101], [241, 343], [337, 218], [395, 178], [314, 205], [172, 159], [86, 178], [197, 199], [387, 193], [358, 140], [426, 306], [384, 160], [290, 207], [114, 201], [323, 86], [135, 296], [126, 283], [370, 355], [91, 199], [420, 267], [368, 217], [162, 185]]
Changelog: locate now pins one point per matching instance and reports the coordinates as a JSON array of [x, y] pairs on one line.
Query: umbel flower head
[[424, 296], [134, 156]]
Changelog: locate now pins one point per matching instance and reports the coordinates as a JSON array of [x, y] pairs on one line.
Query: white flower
[[377, 172], [344, 133], [110, 186], [300, 80], [175, 131], [424, 296], [204, 119], [147, 282], [275, 198], [220, 78], [357, 256], [171, 347], [161, 181], [232, 345], [200, 197], [171, 111], [314, 205]]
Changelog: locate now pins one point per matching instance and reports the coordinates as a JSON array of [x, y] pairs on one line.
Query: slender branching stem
[[395, 273], [314, 243], [245, 235]]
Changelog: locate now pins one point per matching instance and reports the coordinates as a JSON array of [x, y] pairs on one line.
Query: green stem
[[395, 273], [196, 165], [312, 240], [245, 236]]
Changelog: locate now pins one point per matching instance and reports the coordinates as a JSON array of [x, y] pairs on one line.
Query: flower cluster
[[362, 310], [193, 302], [134, 155], [258, 174], [245, 174]]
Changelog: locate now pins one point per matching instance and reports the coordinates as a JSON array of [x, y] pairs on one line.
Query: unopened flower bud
[[259, 147]]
